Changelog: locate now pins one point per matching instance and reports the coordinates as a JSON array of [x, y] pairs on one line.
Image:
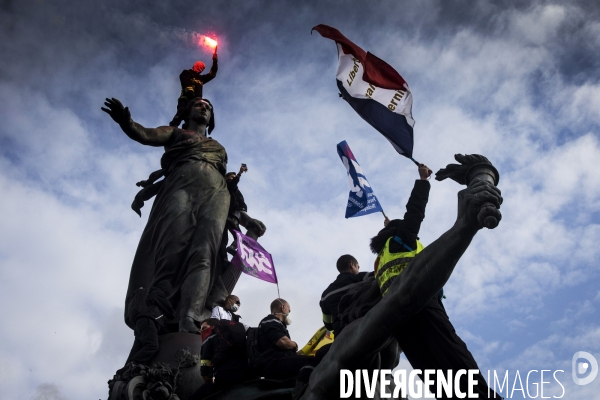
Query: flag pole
[[415, 161]]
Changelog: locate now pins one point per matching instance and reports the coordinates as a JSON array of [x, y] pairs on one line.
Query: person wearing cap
[[192, 82]]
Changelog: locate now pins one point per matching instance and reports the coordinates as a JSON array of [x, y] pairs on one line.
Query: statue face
[[201, 112]]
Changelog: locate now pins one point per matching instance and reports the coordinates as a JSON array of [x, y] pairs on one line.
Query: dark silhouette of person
[[278, 351], [223, 357], [149, 309], [192, 84], [349, 275]]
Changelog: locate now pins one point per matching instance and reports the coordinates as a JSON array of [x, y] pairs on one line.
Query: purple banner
[[253, 260]]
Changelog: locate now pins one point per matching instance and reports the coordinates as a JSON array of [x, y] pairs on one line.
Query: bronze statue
[[182, 237], [359, 344]]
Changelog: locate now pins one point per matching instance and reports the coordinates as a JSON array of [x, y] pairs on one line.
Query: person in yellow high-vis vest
[[397, 243], [431, 342]]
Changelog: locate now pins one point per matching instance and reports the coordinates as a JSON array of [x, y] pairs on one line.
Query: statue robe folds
[[182, 237]]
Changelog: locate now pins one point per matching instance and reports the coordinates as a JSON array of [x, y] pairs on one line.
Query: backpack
[[252, 352]]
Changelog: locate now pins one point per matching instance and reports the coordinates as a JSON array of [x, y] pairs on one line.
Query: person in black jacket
[[237, 205], [223, 357], [238, 215], [149, 308], [278, 350], [348, 277], [430, 342], [192, 83]]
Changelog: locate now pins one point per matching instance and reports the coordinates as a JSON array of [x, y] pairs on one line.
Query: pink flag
[[253, 260]]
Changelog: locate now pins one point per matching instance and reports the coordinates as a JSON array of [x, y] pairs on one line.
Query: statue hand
[[472, 199], [117, 111], [256, 227]]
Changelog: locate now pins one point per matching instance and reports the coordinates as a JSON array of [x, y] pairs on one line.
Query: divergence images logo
[[584, 364]]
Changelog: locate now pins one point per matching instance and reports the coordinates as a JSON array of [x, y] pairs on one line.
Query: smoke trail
[[188, 37]]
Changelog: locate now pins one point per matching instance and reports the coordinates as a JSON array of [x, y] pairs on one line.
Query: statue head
[[203, 114], [198, 67]]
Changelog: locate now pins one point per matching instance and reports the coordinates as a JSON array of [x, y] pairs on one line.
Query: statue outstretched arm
[[149, 136], [431, 269]]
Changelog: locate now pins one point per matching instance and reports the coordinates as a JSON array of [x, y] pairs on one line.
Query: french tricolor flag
[[375, 90]]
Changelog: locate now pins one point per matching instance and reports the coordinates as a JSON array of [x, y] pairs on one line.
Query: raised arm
[[213, 70], [149, 136], [408, 230]]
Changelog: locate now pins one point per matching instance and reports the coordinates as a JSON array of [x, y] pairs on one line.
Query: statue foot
[[187, 324]]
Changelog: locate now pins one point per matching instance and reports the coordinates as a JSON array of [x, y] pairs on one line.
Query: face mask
[[235, 307], [287, 320]]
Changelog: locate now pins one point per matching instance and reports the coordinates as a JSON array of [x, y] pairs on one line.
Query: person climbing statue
[[192, 83]]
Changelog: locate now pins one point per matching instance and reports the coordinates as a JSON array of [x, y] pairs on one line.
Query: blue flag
[[362, 200]]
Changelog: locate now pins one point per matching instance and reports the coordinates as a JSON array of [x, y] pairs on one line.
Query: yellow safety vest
[[392, 264]]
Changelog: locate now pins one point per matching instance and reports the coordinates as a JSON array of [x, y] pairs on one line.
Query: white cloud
[[67, 178]]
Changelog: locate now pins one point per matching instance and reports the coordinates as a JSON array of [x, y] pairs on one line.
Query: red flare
[[212, 43]]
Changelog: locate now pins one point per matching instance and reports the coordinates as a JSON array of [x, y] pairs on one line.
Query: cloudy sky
[[516, 81]]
